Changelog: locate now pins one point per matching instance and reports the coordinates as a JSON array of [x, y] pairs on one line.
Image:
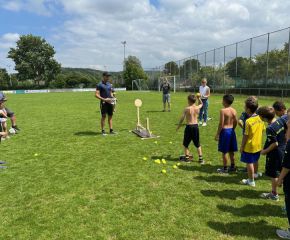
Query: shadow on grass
[[155, 111], [201, 168], [232, 194], [167, 157], [87, 133], [227, 179], [249, 210], [257, 230]]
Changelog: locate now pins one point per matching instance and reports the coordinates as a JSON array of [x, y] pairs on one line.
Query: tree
[[133, 71], [4, 79], [33, 58], [171, 68]]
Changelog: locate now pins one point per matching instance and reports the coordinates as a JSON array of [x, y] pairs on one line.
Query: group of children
[[252, 121]]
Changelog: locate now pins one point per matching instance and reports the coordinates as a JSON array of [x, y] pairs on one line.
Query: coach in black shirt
[[104, 93]]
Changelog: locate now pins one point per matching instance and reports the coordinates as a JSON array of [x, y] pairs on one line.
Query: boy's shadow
[[226, 179], [87, 133], [231, 194], [207, 168], [249, 210], [258, 230], [166, 157]]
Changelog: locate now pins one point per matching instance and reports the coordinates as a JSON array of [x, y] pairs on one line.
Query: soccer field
[[66, 181]]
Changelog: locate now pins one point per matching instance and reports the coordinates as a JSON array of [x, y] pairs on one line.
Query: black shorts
[[106, 109], [274, 163], [286, 160], [191, 133], [10, 114]]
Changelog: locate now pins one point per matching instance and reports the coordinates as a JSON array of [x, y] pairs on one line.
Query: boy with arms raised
[[273, 149], [226, 134], [252, 140], [191, 132], [284, 179]]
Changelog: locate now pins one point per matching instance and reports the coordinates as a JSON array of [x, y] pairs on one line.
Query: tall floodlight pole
[[124, 65]]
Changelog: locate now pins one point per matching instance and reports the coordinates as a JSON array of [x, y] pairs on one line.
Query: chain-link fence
[[259, 65]]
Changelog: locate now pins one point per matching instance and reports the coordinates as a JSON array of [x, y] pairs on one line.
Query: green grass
[[85, 186]]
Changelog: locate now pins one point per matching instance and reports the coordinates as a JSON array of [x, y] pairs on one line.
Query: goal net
[[140, 85], [170, 79]]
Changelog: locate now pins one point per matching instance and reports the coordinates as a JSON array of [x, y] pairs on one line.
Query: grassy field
[[86, 186]]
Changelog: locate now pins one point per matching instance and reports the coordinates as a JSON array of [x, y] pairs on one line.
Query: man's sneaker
[[285, 234], [270, 196], [200, 122], [249, 183], [104, 133], [257, 175], [201, 161], [204, 124], [222, 171], [112, 132]]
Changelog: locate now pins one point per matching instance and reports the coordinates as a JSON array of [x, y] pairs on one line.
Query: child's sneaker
[[222, 171], [248, 182], [232, 169], [104, 133], [204, 124], [201, 161], [187, 160], [270, 196], [200, 122], [285, 234], [257, 175]]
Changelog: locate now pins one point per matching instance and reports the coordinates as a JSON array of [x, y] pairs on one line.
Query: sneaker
[[285, 234], [112, 132], [104, 133], [270, 196], [187, 160], [204, 124], [249, 183], [17, 129], [163, 110], [169, 110], [2, 162], [201, 162], [232, 169], [257, 175], [209, 118], [200, 122], [222, 171]]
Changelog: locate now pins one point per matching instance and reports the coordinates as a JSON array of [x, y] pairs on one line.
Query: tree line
[[37, 68]]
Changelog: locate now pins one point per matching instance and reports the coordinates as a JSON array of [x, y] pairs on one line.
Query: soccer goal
[[140, 85], [170, 79]]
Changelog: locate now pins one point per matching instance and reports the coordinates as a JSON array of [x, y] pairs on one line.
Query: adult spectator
[[204, 91], [165, 87]]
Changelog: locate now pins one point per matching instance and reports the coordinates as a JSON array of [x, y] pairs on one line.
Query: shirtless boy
[[226, 135], [191, 132]]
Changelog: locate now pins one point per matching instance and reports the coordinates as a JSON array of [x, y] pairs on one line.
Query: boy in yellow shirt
[[252, 140]]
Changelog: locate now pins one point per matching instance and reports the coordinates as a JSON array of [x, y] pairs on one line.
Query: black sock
[[111, 130], [225, 168], [233, 165]]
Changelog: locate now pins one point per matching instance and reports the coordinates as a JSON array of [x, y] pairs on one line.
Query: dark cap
[[106, 74]]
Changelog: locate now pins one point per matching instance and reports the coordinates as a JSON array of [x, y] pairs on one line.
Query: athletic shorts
[[166, 98], [274, 163], [286, 161], [106, 109], [250, 157], [191, 133], [10, 113], [228, 141]]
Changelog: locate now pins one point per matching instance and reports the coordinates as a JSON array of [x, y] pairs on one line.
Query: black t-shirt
[[166, 88]]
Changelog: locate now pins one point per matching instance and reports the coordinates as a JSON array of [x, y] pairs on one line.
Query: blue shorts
[[250, 157], [166, 98], [228, 141]]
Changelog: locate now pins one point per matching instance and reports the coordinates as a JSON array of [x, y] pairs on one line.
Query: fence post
[[287, 83], [214, 80], [197, 63], [267, 70], [224, 69], [236, 64], [179, 72]]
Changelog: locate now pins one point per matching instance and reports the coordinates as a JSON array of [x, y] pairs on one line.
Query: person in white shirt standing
[[204, 91]]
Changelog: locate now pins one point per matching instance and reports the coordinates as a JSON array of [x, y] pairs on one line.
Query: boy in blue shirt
[[273, 149]]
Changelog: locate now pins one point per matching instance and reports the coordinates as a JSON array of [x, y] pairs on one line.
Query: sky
[[88, 33]]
